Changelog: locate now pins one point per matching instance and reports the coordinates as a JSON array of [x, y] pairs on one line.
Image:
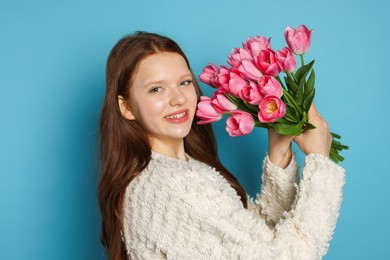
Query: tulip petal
[[250, 70]]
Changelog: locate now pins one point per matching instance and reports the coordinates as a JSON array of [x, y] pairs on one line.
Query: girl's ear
[[124, 108]]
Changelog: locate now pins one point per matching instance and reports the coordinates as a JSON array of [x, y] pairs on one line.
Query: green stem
[[292, 100], [281, 82], [260, 124], [251, 107], [302, 59]]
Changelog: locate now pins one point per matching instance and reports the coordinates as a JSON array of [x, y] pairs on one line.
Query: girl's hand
[[279, 148], [318, 140]]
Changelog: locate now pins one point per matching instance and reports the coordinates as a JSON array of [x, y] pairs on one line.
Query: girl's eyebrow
[[159, 82]]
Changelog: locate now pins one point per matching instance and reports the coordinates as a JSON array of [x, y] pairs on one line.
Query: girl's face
[[162, 98]]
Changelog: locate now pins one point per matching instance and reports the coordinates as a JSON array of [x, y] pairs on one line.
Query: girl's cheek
[[156, 106]]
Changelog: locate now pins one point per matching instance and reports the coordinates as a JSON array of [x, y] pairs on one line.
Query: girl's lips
[[178, 117]]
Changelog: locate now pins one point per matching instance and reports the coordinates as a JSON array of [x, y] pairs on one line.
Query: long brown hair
[[124, 147]]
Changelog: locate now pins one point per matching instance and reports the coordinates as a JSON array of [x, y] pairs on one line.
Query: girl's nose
[[177, 98]]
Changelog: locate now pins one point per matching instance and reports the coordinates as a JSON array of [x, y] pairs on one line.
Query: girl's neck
[[174, 149]]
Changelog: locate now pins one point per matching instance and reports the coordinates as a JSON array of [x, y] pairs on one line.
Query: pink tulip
[[221, 103], [298, 40], [267, 63], [231, 81], [270, 86], [240, 123], [206, 112], [271, 109], [224, 77], [236, 83], [243, 61], [237, 55], [256, 44], [209, 75], [286, 60], [251, 94]]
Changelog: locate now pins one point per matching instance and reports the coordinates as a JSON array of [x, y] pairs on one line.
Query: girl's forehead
[[161, 66]]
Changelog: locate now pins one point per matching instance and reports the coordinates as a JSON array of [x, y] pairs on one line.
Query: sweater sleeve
[[278, 191], [186, 221]]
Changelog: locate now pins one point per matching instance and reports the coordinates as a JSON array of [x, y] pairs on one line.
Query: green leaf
[[241, 105], [283, 120], [302, 71], [292, 101], [310, 84], [309, 100], [291, 85], [299, 95], [290, 109], [309, 126], [260, 124], [252, 107], [290, 117], [233, 99], [287, 129]]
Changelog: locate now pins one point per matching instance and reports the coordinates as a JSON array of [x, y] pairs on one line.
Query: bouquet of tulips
[[252, 92]]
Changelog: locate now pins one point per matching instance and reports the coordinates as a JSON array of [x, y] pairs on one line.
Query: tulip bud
[[267, 63], [298, 40], [286, 60], [206, 112], [209, 75], [270, 86], [256, 44], [251, 94], [240, 123], [221, 103]]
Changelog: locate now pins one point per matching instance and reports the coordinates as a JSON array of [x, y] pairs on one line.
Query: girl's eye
[[185, 82], [155, 90]]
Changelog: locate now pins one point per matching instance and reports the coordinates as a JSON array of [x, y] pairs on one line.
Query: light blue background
[[52, 65]]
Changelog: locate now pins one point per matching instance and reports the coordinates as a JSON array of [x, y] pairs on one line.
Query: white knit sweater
[[186, 210]]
